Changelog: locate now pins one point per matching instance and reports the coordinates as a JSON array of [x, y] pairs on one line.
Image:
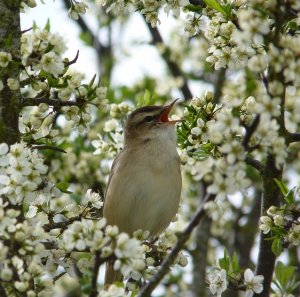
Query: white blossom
[[114, 291], [253, 283], [266, 224], [294, 234], [5, 58], [52, 63], [93, 198], [13, 84], [217, 281]]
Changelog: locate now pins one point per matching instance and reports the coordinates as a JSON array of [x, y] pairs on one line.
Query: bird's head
[[149, 122]]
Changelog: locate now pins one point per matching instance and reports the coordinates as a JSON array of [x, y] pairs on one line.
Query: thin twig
[[57, 277], [198, 2], [254, 163], [169, 260], [48, 147], [293, 137], [51, 102], [87, 30], [74, 60], [249, 132], [61, 225], [2, 292], [173, 67], [218, 85], [97, 264], [26, 30]]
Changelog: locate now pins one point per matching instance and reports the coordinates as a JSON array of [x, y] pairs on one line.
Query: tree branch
[[271, 193], [2, 291], [271, 196], [200, 257], [293, 137], [97, 264], [57, 277], [198, 2], [244, 235], [85, 28], [249, 132], [104, 52], [254, 163], [61, 225], [10, 42], [218, 84], [48, 147], [73, 61], [173, 67], [170, 258], [199, 253], [52, 102]]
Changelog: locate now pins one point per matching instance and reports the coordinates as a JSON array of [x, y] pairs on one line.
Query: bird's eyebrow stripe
[[145, 109]]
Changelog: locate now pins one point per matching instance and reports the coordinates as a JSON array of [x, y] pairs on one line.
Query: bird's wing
[[112, 171]]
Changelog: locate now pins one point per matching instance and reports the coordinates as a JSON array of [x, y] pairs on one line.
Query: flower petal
[[3, 148], [248, 275]]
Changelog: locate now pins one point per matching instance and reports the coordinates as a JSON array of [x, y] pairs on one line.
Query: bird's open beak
[[164, 116]]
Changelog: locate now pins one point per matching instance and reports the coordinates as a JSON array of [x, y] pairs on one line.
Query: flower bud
[[209, 95], [278, 220], [6, 274], [272, 211], [43, 107], [196, 131]]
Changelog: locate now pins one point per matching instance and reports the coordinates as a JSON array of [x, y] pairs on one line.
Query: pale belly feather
[[152, 194]]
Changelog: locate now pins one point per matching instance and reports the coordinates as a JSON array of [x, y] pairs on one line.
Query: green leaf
[[47, 26], [282, 186], [199, 155], [284, 274], [218, 7], [235, 263], [86, 38], [147, 97], [63, 187], [224, 262], [207, 147], [34, 26], [194, 8], [277, 246], [190, 108], [292, 25], [290, 196], [134, 293], [92, 81]]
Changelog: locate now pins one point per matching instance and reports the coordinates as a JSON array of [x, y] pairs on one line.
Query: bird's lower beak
[[164, 116]]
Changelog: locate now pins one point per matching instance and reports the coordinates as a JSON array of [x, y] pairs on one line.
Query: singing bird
[[144, 187]]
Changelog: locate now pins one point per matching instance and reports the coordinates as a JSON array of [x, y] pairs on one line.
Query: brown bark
[[10, 42]]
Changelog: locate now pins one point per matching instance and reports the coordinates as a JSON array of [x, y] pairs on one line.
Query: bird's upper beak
[[164, 116]]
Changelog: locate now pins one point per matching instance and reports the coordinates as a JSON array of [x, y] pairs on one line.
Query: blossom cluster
[[218, 280], [46, 228], [54, 234], [206, 138], [149, 8], [216, 142], [77, 8], [21, 173], [234, 46], [111, 141], [52, 86], [283, 223], [50, 231]]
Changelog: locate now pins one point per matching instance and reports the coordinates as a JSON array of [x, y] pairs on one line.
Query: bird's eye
[[148, 119]]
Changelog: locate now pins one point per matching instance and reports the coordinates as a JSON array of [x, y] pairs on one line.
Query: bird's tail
[[111, 275]]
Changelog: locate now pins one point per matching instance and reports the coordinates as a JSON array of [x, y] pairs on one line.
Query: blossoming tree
[[238, 143]]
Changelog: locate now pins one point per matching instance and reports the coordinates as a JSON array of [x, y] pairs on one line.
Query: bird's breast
[[144, 192]]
